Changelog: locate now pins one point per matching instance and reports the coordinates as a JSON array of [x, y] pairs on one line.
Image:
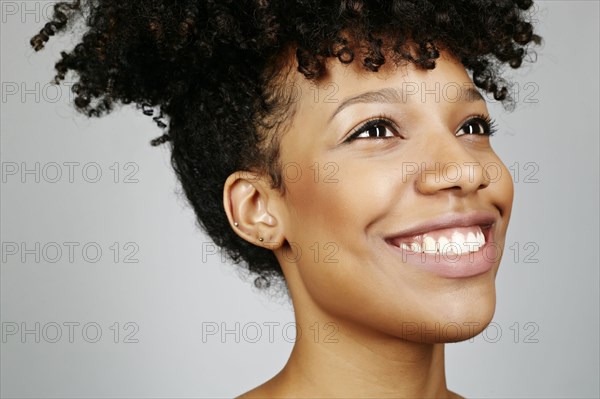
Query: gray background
[[544, 340]]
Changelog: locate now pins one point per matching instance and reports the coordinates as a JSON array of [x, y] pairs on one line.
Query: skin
[[354, 298]]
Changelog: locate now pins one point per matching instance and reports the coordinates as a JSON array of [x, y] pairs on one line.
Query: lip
[[453, 266], [482, 218]]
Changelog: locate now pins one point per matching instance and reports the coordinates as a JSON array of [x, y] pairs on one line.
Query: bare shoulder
[[454, 395], [258, 392], [265, 390], [253, 393]]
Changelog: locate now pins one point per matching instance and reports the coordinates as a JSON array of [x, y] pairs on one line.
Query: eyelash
[[488, 124], [376, 121]]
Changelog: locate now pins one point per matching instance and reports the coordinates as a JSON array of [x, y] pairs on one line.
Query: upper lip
[[482, 218]]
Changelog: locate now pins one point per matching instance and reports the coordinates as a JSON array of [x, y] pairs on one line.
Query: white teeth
[[416, 247], [480, 237], [458, 238], [471, 237], [474, 243], [429, 245], [457, 244], [412, 247], [443, 244]]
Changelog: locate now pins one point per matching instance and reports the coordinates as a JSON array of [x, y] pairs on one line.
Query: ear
[[250, 202]]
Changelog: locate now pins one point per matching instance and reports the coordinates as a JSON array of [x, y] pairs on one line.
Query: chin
[[450, 317], [457, 320]]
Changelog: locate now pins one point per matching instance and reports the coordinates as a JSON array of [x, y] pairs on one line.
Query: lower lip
[[452, 265]]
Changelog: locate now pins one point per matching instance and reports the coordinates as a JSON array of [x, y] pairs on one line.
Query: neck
[[333, 357], [341, 360]]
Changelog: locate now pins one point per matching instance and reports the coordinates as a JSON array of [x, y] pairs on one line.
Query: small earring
[[261, 239], [235, 224]]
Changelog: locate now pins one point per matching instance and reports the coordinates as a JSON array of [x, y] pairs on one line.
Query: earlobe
[[247, 200]]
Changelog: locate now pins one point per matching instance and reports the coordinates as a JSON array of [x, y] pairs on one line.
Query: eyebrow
[[392, 95]]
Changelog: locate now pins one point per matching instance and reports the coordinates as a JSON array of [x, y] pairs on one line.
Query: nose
[[450, 168]]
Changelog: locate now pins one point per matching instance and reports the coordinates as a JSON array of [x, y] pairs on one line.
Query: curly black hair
[[210, 73]]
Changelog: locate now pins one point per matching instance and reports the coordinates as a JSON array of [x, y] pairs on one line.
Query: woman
[[339, 148]]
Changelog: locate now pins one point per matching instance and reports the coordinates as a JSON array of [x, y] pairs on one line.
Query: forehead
[[343, 85], [345, 78]]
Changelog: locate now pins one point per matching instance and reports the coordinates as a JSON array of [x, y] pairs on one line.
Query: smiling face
[[401, 156], [379, 168]]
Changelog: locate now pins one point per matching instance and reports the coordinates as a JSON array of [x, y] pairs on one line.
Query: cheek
[[329, 225], [499, 193], [507, 188], [337, 201], [320, 202], [501, 187]]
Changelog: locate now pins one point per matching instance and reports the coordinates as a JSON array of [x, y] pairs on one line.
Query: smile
[[454, 245], [457, 240]]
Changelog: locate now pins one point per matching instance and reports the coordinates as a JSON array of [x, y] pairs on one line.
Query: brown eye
[[374, 129], [478, 125]]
